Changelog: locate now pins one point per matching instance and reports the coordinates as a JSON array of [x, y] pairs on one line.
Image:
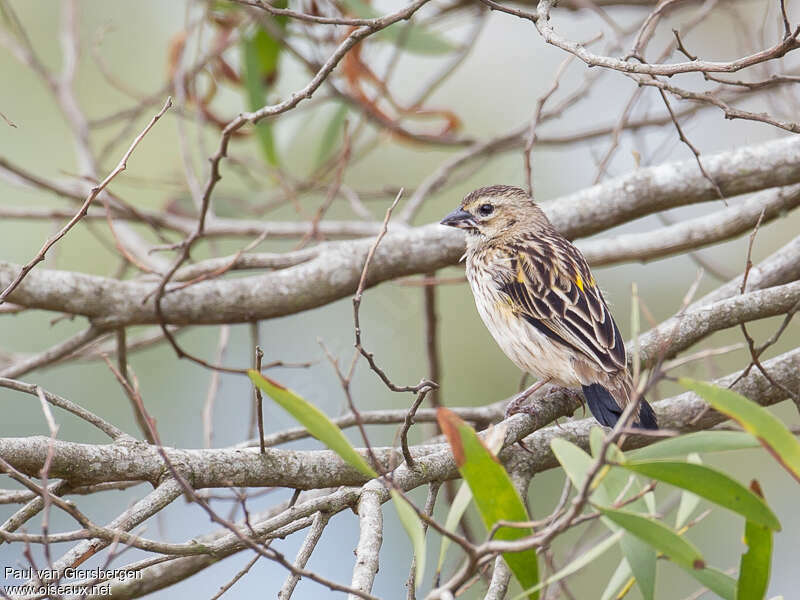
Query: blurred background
[[125, 57]]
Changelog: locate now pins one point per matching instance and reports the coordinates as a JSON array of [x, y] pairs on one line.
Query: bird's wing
[[549, 284]]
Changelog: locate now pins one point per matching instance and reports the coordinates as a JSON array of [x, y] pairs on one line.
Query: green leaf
[[416, 532], [676, 548], [260, 56], [414, 38], [641, 558], [701, 441], [710, 484], [331, 134], [650, 500], [575, 565], [718, 582], [596, 437], [314, 420], [642, 562], [575, 461], [621, 576], [495, 435], [457, 509], [659, 536], [756, 420], [495, 495], [689, 501], [754, 567]]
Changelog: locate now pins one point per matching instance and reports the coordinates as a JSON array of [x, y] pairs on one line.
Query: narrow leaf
[[720, 583], [457, 509], [701, 441], [754, 567], [576, 565], [260, 56], [642, 560], [256, 94], [676, 548], [621, 577], [659, 536], [416, 533], [575, 461], [314, 420], [689, 501], [710, 484], [495, 495], [495, 436], [596, 437], [756, 420], [330, 136], [650, 500]]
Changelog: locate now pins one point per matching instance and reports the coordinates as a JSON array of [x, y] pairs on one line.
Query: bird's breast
[[528, 348]]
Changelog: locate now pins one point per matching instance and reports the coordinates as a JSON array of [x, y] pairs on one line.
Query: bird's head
[[497, 211]]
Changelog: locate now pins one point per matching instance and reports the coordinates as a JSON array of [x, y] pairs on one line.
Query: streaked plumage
[[538, 298]]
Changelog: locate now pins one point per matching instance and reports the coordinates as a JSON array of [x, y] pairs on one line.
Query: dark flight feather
[[607, 412]]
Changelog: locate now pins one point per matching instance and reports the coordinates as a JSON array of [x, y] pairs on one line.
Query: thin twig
[[259, 399], [95, 191]]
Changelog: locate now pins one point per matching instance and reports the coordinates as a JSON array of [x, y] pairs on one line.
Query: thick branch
[[129, 461], [702, 231], [370, 519], [334, 273]]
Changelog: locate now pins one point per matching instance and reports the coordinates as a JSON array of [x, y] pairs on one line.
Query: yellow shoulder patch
[[581, 283], [520, 274]]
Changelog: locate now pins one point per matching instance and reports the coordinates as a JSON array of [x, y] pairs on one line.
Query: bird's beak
[[459, 218]]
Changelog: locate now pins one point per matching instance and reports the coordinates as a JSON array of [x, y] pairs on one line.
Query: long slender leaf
[[314, 420], [576, 463], [701, 441], [416, 533], [720, 583], [621, 576], [322, 428], [689, 501], [596, 437], [756, 420], [710, 484], [659, 536], [495, 495], [642, 559], [331, 133], [494, 439], [754, 567], [676, 548], [576, 565], [260, 56], [457, 509]]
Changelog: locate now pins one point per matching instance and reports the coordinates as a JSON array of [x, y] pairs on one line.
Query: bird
[[537, 296]]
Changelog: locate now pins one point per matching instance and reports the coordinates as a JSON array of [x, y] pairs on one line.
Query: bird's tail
[[607, 412]]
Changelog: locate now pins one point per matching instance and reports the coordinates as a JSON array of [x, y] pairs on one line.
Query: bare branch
[[370, 520], [121, 166]]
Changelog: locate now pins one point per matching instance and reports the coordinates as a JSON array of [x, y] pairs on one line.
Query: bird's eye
[[485, 209]]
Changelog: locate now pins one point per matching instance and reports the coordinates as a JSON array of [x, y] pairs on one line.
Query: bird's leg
[[515, 404]]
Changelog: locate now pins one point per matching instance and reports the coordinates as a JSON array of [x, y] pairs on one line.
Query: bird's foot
[[516, 404]]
